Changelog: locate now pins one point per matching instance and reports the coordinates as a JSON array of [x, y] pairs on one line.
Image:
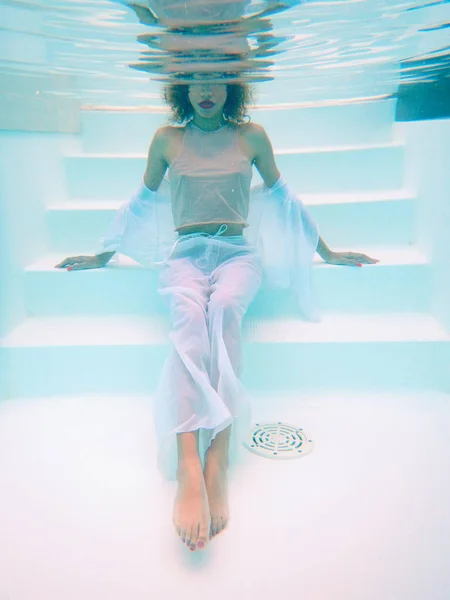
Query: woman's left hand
[[349, 259]]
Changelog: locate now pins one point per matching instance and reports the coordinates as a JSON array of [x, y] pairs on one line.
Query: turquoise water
[[83, 510], [74, 152], [322, 50]]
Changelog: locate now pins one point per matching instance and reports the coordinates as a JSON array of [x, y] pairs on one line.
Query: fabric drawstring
[[204, 260]]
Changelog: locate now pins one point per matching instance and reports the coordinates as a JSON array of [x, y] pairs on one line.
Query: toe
[[183, 535], [203, 535], [194, 534], [201, 543], [188, 535], [213, 526], [219, 525], [178, 528]]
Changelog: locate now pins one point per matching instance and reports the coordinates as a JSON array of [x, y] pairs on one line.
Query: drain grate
[[278, 440]]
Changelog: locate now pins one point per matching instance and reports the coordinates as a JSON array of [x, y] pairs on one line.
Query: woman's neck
[[209, 124]]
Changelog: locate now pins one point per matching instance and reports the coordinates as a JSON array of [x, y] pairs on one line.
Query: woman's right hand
[[78, 263]]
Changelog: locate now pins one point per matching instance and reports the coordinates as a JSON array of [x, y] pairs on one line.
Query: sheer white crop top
[[210, 178]]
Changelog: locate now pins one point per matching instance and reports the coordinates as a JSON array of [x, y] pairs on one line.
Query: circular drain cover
[[278, 440]]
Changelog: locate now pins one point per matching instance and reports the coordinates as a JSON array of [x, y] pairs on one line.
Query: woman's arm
[[263, 157], [153, 175], [156, 160], [143, 13], [264, 161]]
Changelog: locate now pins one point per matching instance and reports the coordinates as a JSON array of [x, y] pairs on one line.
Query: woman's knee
[[190, 314], [226, 302]]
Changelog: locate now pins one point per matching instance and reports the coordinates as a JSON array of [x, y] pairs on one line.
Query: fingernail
[[359, 264], [69, 268]]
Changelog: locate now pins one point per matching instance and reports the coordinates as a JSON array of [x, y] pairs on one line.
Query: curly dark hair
[[239, 96]]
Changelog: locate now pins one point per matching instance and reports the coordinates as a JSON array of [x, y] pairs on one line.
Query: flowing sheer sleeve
[[142, 228], [287, 238]]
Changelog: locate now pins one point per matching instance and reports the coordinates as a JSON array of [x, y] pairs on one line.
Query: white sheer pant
[[208, 283]]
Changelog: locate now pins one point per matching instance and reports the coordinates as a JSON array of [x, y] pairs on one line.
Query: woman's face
[[208, 99]]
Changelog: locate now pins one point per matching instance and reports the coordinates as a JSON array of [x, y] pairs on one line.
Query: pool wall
[[427, 170]]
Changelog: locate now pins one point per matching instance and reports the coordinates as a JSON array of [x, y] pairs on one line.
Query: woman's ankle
[[216, 460]]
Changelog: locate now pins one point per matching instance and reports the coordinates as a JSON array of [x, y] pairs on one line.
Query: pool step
[[347, 168], [58, 355], [400, 281], [369, 218]]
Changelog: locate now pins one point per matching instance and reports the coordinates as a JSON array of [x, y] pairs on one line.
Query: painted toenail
[[200, 545]]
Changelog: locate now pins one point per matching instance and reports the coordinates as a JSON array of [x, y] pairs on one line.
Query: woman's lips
[[206, 104]]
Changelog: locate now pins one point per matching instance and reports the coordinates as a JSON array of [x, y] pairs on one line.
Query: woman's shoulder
[[168, 139], [251, 128], [170, 131], [255, 136], [253, 132]]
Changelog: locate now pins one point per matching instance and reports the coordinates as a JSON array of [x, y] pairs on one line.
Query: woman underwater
[[209, 277]]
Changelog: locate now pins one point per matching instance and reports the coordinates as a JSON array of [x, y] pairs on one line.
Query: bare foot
[[216, 481], [191, 515]]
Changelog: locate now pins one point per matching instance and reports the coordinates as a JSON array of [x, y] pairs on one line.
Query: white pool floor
[[85, 514]]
